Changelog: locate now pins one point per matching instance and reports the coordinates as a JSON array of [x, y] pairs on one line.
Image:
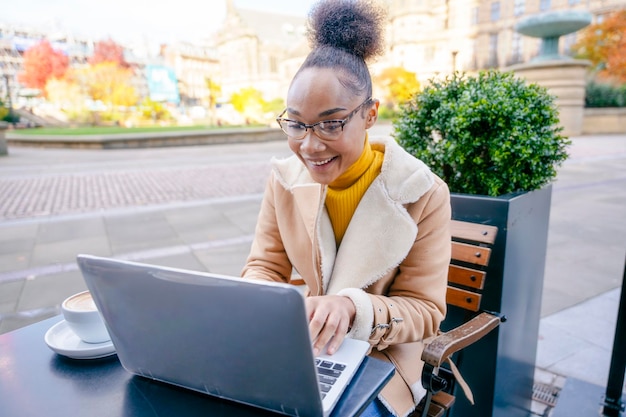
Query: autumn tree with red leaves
[[109, 77], [108, 51], [41, 63], [604, 44]]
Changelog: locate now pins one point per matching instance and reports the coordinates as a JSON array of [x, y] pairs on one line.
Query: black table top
[[35, 381]]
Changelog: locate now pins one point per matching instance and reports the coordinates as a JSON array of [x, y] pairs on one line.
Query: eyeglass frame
[[306, 126]]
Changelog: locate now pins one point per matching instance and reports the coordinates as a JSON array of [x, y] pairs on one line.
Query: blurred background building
[[263, 50]]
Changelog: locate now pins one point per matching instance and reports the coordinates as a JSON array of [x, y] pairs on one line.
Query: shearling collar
[[381, 232], [405, 177]]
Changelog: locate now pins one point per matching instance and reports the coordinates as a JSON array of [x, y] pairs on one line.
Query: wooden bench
[[471, 251]]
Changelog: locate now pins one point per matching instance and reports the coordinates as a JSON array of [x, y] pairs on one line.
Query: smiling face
[[316, 94]]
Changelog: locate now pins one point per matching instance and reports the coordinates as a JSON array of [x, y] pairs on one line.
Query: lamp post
[[7, 84], [3, 125], [8, 89], [454, 54]]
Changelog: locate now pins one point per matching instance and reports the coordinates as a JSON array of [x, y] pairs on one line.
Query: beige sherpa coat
[[392, 262]]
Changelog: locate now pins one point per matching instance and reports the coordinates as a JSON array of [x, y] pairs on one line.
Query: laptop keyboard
[[327, 374]]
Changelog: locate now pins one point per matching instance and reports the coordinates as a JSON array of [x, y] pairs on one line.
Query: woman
[[365, 224]]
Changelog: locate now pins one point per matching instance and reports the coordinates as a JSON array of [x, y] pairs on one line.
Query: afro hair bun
[[355, 26]]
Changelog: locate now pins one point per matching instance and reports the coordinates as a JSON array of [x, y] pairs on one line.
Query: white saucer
[[61, 339]]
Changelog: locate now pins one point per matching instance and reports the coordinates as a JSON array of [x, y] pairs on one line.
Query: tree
[[274, 107], [68, 96], [108, 83], [604, 44], [154, 110], [249, 102], [41, 63], [398, 84], [4, 111], [215, 91], [65, 93], [108, 51]]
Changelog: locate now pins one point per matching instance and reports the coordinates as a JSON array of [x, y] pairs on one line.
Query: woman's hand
[[330, 317]]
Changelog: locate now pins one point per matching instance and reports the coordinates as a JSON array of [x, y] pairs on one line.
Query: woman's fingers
[[329, 321]]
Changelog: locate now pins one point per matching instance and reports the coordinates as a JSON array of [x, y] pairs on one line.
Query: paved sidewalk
[[196, 207]]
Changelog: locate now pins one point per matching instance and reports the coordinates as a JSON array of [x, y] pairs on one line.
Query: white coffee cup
[[82, 316]]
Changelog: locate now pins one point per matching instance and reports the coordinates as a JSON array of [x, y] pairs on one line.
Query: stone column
[[3, 141], [565, 80]]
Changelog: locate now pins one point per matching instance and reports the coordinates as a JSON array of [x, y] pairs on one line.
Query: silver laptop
[[232, 338]]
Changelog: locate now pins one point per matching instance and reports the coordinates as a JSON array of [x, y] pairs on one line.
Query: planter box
[[500, 368]]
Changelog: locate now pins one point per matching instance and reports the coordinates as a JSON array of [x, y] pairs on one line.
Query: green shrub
[[604, 95], [6, 115], [154, 110], [488, 135]]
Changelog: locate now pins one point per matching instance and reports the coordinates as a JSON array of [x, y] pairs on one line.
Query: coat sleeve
[[410, 305], [268, 259]]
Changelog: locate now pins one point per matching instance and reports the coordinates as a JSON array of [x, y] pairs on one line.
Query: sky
[[132, 20]]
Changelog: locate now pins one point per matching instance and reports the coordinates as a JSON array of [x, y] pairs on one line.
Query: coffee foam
[[81, 302]]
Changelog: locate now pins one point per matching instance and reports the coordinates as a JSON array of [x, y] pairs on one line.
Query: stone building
[[429, 37], [435, 37], [194, 65], [259, 49]]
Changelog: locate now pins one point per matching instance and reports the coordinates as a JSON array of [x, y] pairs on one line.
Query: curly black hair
[[344, 34]]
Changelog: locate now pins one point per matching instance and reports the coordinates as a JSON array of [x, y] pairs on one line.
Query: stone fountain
[[564, 77]]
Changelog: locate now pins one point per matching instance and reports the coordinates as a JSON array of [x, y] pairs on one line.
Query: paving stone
[[61, 252], [15, 261], [70, 229], [49, 291], [9, 296], [228, 260], [80, 192]]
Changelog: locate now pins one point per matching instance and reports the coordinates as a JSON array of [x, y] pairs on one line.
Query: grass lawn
[[112, 130]]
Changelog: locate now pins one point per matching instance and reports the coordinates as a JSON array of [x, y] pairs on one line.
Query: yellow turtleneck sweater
[[344, 194]]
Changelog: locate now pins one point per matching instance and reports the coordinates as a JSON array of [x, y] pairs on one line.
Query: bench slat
[[470, 253], [435, 410], [464, 299], [473, 231], [471, 246], [467, 277], [443, 399]]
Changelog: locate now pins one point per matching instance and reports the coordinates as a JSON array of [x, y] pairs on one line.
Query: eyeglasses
[[325, 129]]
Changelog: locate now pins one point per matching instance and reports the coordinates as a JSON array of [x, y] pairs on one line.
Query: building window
[[517, 48], [518, 7], [544, 5], [474, 16], [495, 11], [493, 51]]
